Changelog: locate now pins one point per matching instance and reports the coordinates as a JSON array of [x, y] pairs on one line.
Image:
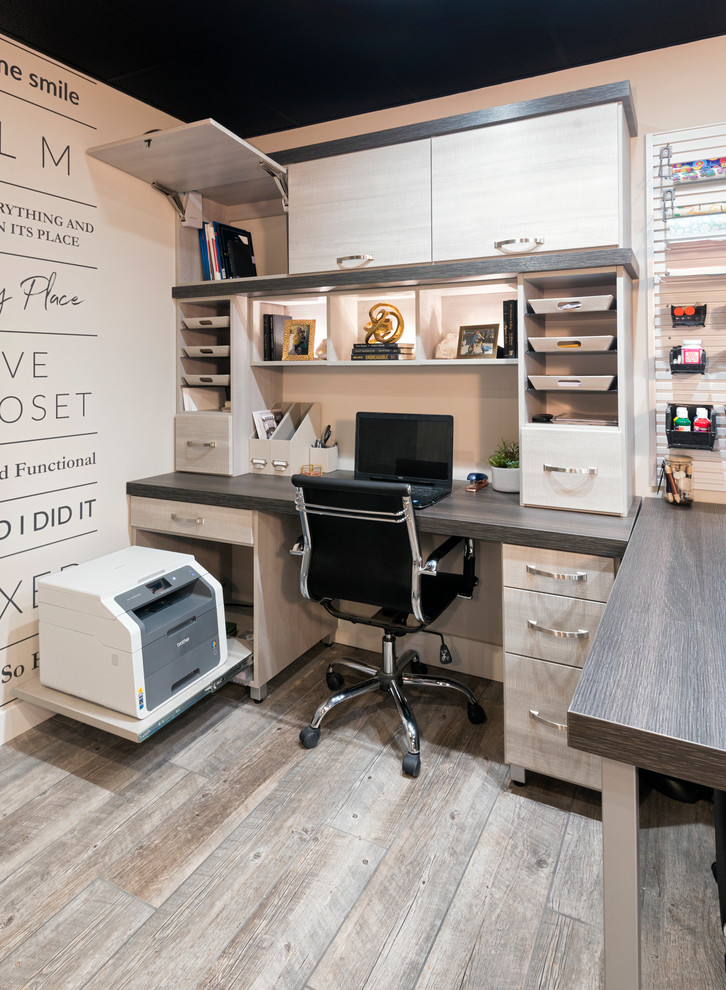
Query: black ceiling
[[258, 67]]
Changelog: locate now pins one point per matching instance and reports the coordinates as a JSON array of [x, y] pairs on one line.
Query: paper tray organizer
[[289, 446]]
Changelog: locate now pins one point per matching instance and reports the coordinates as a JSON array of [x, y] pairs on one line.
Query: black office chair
[[360, 545]]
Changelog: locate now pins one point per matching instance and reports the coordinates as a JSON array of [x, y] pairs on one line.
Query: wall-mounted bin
[[679, 367], [691, 315], [690, 439]]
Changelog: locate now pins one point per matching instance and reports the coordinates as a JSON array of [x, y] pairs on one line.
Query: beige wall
[[674, 87]]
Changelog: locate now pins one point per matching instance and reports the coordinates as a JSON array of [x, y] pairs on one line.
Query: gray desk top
[[486, 515], [653, 690]]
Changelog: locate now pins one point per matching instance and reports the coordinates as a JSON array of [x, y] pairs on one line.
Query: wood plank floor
[[220, 854]]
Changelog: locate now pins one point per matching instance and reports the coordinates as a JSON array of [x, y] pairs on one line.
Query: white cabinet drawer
[[203, 522], [552, 627], [537, 695], [203, 442], [556, 572], [579, 468]]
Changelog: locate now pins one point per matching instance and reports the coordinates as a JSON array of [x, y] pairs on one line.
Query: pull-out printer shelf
[[126, 726]]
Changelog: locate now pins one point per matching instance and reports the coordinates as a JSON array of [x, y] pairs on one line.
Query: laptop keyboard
[[423, 495]]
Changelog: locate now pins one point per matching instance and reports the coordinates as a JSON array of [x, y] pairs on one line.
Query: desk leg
[[621, 876]]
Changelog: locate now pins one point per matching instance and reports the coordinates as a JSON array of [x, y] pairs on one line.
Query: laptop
[[416, 448]]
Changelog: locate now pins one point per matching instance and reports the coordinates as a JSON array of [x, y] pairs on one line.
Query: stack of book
[[382, 352], [226, 251]]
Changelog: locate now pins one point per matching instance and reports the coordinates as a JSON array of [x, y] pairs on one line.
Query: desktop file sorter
[[288, 449]]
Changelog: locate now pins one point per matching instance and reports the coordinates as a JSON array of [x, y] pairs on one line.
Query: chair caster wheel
[[309, 737], [418, 668], [476, 713], [333, 680], [411, 764]]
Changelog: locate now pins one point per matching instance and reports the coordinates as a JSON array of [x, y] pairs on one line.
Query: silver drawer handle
[[258, 462], [520, 244], [189, 520], [574, 576], [280, 465], [560, 633], [552, 468], [363, 260], [560, 726], [200, 443]]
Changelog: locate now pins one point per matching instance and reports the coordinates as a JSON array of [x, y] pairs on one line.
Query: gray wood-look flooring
[[221, 854]]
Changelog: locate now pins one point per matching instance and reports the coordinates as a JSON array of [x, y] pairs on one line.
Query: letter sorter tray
[[553, 344], [205, 322], [206, 379], [218, 350], [572, 304], [572, 383]]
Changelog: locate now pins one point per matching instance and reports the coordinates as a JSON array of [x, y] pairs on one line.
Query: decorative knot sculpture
[[381, 326]]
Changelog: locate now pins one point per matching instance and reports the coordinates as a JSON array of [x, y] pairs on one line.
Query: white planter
[[505, 479]]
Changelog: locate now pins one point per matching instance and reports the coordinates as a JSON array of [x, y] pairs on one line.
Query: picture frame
[[299, 341], [478, 341]]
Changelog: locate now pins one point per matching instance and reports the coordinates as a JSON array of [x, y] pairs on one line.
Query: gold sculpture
[[381, 326]]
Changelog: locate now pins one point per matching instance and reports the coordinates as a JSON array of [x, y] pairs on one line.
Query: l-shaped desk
[[652, 691]]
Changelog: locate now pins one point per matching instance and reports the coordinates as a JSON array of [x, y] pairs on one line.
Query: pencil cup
[[677, 474]]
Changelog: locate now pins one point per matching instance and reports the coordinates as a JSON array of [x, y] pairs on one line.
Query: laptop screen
[[413, 447]]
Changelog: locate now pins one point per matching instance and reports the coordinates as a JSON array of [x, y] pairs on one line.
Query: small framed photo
[[478, 341], [299, 341]]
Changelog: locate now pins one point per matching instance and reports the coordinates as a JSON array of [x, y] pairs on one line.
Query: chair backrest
[[360, 542]]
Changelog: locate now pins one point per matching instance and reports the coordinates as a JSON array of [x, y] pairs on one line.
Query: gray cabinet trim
[[593, 96], [410, 274]]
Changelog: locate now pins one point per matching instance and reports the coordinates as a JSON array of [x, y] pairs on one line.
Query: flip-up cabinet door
[[364, 209], [551, 183]]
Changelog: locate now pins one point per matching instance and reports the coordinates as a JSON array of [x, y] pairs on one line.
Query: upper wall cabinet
[[548, 183], [364, 209]]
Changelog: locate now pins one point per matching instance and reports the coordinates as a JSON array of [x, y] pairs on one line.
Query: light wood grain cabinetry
[[247, 552], [575, 391], [549, 183], [552, 603], [368, 208], [217, 389]]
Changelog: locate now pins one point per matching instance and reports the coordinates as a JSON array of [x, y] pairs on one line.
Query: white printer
[[130, 629]]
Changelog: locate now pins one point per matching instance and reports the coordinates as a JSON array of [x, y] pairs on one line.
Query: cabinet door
[[556, 177], [375, 202]]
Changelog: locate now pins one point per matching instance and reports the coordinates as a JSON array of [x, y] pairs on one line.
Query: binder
[[237, 257], [289, 446]]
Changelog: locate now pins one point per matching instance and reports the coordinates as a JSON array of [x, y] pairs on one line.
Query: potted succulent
[[504, 463]]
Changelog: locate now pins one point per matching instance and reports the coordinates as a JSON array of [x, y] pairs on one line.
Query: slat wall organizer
[[687, 264]]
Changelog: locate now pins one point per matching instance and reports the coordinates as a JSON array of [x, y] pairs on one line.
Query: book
[[381, 356], [509, 327], [273, 325]]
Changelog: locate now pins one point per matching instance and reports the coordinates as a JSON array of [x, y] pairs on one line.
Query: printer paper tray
[[126, 726]]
